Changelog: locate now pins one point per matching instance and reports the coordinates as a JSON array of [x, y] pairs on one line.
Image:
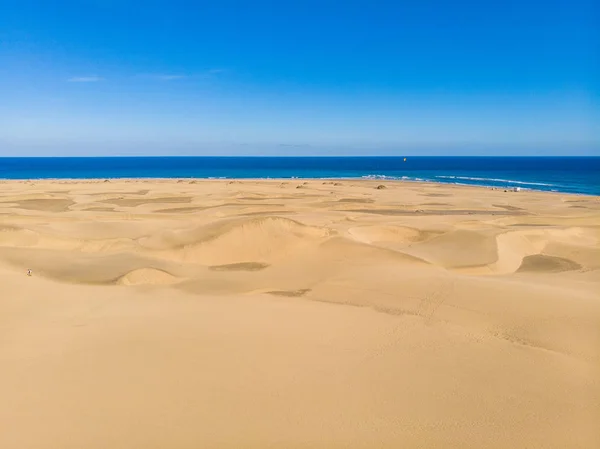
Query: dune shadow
[[100, 209], [356, 200], [133, 202], [541, 263], [290, 293], [507, 207], [241, 266], [43, 204]]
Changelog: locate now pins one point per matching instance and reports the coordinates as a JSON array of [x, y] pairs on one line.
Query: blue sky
[[299, 77]]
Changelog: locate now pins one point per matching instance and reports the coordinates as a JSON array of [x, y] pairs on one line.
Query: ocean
[[561, 174]]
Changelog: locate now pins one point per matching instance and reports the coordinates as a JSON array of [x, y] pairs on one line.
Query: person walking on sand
[[29, 272]]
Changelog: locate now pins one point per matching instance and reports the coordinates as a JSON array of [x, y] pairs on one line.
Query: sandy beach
[[298, 314]]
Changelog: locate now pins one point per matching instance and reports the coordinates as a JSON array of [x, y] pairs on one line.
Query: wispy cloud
[[174, 77], [215, 71], [171, 77], [85, 79], [161, 76]]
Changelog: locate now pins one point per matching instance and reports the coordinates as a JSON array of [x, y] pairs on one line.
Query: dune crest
[[386, 233], [147, 276], [263, 239]]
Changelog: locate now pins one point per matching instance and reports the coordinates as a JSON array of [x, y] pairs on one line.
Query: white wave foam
[[509, 181], [382, 177]]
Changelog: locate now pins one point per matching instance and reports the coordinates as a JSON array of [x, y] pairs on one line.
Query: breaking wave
[[508, 181]]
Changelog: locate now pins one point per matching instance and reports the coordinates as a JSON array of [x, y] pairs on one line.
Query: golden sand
[[252, 314]]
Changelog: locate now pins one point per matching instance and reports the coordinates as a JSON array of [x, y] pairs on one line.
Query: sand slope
[[189, 314]]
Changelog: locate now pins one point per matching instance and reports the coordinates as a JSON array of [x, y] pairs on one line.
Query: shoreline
[[167, 180]]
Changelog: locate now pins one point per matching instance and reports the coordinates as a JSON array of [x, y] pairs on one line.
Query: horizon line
[[298, 157]]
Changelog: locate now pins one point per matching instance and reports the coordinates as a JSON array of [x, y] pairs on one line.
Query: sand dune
[[459, 248], [388, 234], [147, 276], [200, 313], [235, 241]]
